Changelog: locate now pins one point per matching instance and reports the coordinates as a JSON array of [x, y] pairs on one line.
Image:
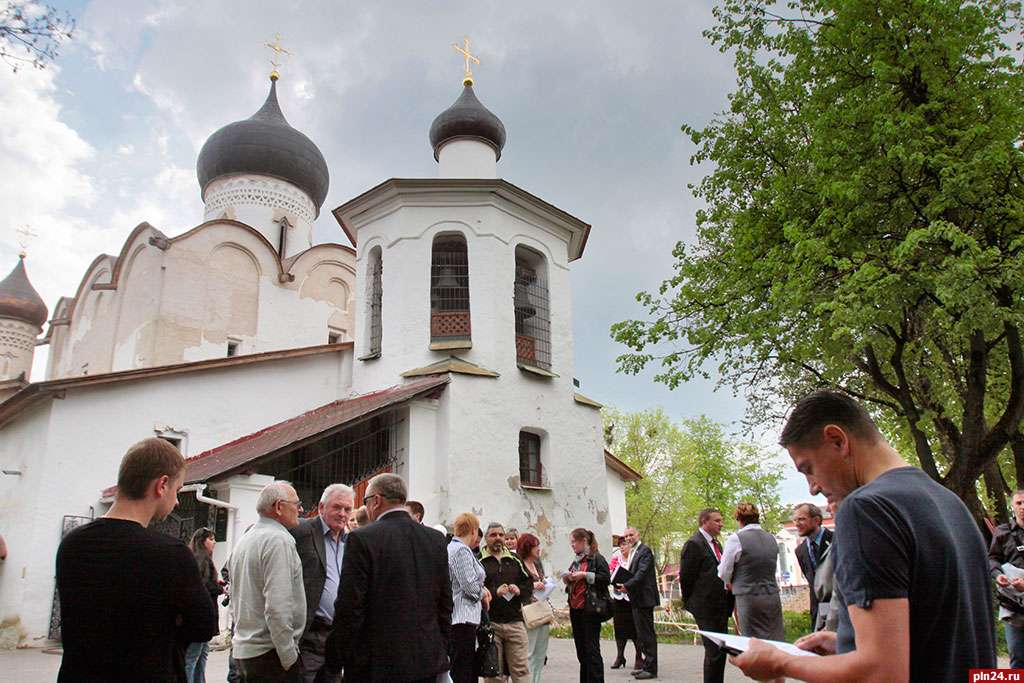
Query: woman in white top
[[622, 611], [468, 595]]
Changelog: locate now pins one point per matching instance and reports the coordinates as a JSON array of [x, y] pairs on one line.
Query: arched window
[[449, 293], [531, 471], [374, 300], [532, 310]]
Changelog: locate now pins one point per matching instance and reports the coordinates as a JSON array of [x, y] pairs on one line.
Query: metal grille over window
[[532, 309], [449, 290], [375, 299], [347, 456], [530, 472]]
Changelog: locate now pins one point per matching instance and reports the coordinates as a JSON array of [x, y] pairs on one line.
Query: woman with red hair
[[528, 549]]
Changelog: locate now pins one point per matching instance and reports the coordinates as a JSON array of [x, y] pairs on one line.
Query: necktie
[[718, 549], [813, 555]]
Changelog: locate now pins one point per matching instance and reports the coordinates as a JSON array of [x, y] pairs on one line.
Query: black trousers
[[714, 656], [643, 619], [267, 669], [586, 634], [462, 653]]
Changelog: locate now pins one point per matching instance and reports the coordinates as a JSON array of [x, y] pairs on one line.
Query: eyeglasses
[[366, 499], [296, 503]]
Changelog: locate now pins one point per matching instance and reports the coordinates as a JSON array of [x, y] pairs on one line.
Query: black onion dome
[[19, 299], [264, 143], [467, 118]]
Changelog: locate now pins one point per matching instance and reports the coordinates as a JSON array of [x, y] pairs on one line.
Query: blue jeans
[[1015, 644], [195, 662]]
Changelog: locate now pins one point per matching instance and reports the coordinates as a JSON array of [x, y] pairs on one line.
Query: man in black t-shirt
[[910, 563], [130, 597]]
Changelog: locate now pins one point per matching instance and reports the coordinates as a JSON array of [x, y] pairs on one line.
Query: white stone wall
[[262, 201], [483, 461], [17, 347], [68, 451], [616, 502], [467, 158], [475, 463], [492, 233], [218, 284]]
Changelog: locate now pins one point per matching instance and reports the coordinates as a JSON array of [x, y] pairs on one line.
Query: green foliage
[[687, 466], [863, 226]]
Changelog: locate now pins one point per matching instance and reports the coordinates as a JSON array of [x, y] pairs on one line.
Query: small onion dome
[[19, 299], [265, 144], [467, 118]]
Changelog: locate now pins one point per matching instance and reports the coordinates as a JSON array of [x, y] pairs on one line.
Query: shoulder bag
[[487, 664], [538, 613]]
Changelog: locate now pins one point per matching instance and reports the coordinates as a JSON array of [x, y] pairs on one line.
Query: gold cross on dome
[[278, 51], [467, 79], [25, 236]]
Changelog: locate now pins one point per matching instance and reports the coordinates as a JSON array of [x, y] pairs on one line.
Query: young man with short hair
[[910, 562], [131, 597]]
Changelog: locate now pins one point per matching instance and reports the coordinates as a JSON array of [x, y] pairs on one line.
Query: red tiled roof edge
[[401, 393]]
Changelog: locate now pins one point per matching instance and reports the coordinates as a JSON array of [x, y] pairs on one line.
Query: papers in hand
[[738, 644], [1012, 572], [549, 586]]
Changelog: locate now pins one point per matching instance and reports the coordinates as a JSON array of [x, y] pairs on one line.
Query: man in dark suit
[[817, 539], [395, 601], [643, 598], [704, 594], [320, 542]]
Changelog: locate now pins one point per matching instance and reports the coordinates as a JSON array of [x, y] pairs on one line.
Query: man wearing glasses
[[268, 601]]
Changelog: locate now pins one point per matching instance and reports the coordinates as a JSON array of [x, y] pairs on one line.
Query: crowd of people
[[368, 594], [901, 591]]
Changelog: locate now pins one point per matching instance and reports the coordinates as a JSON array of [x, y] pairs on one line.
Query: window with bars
[[532, 310], [348, 456], [531, 471], [449, 289], [374, 300]]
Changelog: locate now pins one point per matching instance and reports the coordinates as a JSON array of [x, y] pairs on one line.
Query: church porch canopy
[[256, 450]]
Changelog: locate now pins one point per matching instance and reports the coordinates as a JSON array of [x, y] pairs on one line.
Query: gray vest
[[754, 573]]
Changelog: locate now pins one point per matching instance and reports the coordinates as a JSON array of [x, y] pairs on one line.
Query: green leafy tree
[[688, 466], [650, 443], [863, 227]]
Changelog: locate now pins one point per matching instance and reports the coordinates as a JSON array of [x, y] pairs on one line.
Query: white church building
[[438, 346]]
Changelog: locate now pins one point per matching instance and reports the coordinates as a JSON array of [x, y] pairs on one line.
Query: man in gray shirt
[[268, 601]]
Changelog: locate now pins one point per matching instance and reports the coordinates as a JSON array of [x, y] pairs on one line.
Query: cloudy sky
[[592, 95]]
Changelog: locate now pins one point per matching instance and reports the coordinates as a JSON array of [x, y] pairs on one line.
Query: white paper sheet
[[742, 643], [549, 586]]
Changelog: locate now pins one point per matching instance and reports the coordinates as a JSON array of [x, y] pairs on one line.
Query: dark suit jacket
[[394, 607], [309, 542], [802, 556], [643, 587], [704, 594]]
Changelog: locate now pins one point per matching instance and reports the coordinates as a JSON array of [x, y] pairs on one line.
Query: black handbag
[[486, 663], [597, 603]]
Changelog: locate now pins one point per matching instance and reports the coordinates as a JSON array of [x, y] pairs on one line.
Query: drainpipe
[[199, 488]]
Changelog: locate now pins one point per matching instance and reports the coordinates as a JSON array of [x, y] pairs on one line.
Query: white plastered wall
[[476, 456], [616, 501], [492, 232], [214, 285], [68, 450]]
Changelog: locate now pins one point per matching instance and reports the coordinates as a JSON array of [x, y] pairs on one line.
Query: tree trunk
[[966, 488], [1017, 446], [996, 492]]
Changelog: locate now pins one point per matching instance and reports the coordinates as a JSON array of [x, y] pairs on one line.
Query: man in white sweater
[[268, 602]]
